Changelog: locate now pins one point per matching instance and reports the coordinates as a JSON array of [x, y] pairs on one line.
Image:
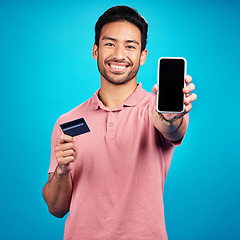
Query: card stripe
[[71, 127]]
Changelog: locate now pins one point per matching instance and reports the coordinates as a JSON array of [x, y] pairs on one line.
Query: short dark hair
[[122, 13]]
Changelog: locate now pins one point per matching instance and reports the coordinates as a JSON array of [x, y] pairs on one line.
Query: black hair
[[122, 13]]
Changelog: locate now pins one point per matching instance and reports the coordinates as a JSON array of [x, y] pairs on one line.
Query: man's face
[[119, 53]]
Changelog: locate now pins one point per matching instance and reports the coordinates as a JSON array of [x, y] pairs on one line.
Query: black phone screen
[[171, 82]]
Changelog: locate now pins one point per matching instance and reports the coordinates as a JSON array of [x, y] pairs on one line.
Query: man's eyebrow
[[115, 40], [109, 38], [132, 41]]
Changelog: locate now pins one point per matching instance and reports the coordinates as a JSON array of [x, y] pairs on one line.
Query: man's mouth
[[117, 67]]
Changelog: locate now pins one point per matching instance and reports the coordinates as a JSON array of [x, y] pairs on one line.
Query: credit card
[[75, 127]]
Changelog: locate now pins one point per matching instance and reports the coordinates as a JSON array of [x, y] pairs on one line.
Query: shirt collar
[[130, 102]]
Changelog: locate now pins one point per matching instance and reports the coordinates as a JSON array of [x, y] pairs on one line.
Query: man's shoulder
[[140, 95], [146, 94], [146, 97]]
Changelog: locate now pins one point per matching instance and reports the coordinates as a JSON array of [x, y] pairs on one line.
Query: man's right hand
[[57, 191], [65, 153]]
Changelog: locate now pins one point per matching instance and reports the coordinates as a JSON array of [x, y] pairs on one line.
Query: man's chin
[[118, 81]]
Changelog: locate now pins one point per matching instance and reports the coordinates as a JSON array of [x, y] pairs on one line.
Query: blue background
[[46, 69]]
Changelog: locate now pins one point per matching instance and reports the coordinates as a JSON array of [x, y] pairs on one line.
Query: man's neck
[[114, 95]]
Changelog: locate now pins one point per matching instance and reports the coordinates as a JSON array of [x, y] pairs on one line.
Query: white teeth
[[118, 67]]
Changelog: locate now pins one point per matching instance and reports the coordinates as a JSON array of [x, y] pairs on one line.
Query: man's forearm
[[173, 131], [57, 193], [176, 130]]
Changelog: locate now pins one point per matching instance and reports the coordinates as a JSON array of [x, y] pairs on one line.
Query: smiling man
[[118, 54], [111, 179], [126, 45]]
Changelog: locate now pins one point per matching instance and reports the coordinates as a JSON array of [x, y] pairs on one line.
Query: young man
[[111, 179]]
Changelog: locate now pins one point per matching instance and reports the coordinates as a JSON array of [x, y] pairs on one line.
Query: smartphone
[[171, 81]]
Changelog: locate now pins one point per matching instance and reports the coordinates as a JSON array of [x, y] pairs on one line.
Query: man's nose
[[119, 53]]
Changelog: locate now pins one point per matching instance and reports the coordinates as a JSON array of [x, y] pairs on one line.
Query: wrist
[[179, 123], [172, 125], [168, 121], [60, 172]]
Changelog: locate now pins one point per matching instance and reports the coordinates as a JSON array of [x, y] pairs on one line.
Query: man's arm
[[58, 190], [173, 131], [174, 126]]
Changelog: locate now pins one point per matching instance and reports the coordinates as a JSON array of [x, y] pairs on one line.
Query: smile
[[117, 67]]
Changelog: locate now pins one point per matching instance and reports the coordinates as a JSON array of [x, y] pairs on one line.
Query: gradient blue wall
[[46, 69]]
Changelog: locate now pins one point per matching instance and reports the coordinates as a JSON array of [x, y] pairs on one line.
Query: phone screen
[[171, 81]]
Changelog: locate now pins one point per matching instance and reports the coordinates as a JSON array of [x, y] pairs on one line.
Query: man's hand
[[65, 153], [190, 97], [172, 125], [57, 191]]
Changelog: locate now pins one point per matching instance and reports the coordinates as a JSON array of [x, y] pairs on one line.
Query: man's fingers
[[188, 79], [66, 160], [155, 89], [64, 153], [64, 138], [189, 88], [67, 153], [65, 146], [190, 98], [65, 150], [188, 107]]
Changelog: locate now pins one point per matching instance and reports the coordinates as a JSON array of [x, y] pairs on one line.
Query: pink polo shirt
[[119, 173]]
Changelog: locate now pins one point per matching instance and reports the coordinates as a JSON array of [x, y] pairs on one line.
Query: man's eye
[[109, 44], [131, 47]]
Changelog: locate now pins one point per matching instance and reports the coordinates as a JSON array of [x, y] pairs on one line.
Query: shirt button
[[111, 113], [111, 124]]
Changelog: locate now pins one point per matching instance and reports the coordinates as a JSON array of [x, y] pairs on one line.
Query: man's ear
[[143, 56], [95, 51]]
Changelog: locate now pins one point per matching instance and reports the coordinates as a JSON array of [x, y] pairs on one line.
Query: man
[[111, 179]]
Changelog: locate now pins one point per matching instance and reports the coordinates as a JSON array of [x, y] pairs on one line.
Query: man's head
[[122, 13], [119, 46]]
